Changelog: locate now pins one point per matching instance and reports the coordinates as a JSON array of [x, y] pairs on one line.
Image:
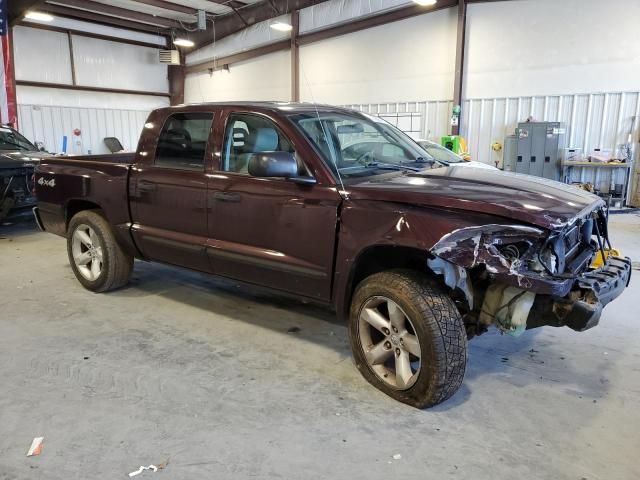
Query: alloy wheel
[[87, 252], [389, 342]]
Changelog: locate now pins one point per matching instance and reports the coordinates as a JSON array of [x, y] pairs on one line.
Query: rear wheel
[[96, 258], [408, 338]]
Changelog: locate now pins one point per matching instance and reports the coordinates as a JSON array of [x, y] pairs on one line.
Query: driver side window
[[248, 134]]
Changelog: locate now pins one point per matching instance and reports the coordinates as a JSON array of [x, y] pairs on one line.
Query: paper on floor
[[36, 447], [142, 468]]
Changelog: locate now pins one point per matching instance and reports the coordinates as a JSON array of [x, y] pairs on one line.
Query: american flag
[[8, 111]]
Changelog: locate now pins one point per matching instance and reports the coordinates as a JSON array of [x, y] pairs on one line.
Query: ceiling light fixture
[[281, 26], [183, 42], [425, 3], [43, 17]]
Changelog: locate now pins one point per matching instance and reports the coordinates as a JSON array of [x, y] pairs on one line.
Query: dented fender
[[367, 224]]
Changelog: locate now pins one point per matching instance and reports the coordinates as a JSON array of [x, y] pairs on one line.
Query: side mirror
[[40, 147], [277, 164]]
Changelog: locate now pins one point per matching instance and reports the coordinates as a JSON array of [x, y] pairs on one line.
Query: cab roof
[[280, 106]]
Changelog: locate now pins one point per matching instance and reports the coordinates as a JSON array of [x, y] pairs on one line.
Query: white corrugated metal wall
[[49, 124], [48, 114], [596, 120], [422, 120]]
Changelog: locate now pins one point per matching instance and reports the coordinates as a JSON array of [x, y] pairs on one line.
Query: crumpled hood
[[523, 198]]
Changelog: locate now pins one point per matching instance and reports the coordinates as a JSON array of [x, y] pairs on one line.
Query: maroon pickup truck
[[335, 206]]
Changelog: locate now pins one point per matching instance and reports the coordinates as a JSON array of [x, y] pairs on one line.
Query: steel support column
[[459, 73], [295, 56]]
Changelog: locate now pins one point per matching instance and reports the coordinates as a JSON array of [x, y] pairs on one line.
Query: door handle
[[226, 197], [146, 186]]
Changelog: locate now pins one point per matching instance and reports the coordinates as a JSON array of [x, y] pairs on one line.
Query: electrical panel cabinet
[[539, 149]]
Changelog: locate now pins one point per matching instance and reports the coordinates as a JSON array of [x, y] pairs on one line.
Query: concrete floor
[[189, 368]]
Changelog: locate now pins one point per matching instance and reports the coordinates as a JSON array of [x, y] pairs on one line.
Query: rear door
[[269, 231], [169, 191]]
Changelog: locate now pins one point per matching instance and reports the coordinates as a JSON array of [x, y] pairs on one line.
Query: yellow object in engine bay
[[598, 261]]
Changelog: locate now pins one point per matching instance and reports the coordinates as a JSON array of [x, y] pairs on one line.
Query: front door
[[269, 231], [169, 194]]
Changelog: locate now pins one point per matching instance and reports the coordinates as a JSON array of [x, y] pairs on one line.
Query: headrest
[[239, 137], [266, 140]]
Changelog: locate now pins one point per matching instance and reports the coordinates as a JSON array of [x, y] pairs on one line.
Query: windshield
[[357, 145], [440, 153], [12, 140]]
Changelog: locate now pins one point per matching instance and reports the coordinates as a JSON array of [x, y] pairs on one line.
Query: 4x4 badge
[[47, 183]]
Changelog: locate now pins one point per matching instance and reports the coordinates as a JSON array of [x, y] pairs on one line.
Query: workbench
[[568, 166]]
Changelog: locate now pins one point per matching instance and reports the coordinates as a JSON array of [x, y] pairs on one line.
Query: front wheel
[[96, 258], [407, 337]]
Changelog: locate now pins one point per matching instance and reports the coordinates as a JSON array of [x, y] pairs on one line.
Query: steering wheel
[[366, 158], [180, 136]]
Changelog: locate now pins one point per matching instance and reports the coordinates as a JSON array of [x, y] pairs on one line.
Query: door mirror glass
[[273, 164]]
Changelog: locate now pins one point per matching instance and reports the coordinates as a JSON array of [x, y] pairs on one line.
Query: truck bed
[[68, 183]]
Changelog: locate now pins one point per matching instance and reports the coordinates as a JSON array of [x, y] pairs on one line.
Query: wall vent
[[171, 57]]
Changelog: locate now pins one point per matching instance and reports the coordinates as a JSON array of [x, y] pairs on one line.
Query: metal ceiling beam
[[174, 7], [233, 4], [274, 6], [16, 9], [219, 63], [304, 39], [373, 21], [82, 33], [65, 86], [99, 19], [131, 15], [254, 13], [235, 10]]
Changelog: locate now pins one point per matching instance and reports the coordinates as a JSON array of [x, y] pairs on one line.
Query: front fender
[[365, 224]]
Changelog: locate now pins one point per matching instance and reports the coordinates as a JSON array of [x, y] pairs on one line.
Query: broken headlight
[[546, 261], [514, 251], [500, 248]]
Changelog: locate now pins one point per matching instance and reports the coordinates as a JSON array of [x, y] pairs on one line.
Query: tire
[[434, 330], [115, 266]]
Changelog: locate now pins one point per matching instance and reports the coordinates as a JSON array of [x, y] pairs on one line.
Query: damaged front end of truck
[[519, 277]]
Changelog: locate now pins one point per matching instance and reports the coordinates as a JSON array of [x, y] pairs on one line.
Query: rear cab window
[[183, 140]]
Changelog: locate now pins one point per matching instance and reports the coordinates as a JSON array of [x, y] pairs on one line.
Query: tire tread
[[119, 264], [440, 317]]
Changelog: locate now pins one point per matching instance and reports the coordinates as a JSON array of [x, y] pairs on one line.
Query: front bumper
[[582, 308]]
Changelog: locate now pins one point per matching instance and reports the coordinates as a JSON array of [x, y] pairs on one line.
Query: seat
[[261, 140]]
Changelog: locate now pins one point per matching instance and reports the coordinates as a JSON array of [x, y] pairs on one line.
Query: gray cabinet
[[539, 149], [510, 153]]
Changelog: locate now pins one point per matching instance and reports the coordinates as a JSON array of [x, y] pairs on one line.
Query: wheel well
[[385, 257], [76, 206]]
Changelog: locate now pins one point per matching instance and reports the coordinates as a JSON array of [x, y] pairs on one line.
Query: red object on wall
[[77, 132], [8, 107]]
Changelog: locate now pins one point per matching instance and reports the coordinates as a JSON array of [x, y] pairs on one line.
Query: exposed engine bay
[[519, 277]]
